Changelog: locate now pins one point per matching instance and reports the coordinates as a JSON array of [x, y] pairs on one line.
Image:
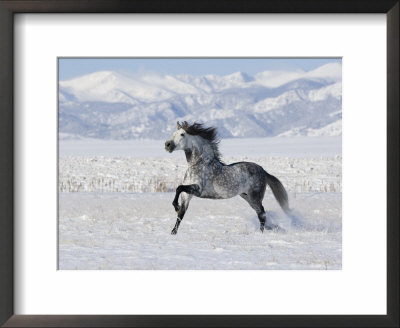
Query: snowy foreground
[[132, 231], [115, 208]]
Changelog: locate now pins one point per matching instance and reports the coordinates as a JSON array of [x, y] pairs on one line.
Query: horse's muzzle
[[169, 146]]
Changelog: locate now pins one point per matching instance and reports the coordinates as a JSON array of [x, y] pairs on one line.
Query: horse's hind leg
[[185, 199], [255, 201]]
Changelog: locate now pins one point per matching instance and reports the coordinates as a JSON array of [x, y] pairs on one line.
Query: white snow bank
[[125, 174]]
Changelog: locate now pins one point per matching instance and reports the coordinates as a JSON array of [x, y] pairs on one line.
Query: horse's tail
[[279, 192]]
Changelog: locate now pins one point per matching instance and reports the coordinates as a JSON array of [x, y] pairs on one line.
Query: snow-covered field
[[304, 147], [115, 208], [301, 163], [132, 231]]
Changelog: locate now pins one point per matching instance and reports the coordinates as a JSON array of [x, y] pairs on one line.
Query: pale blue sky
[[73, 67]]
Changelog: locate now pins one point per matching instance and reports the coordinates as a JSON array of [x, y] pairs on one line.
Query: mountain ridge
[[112, 105]]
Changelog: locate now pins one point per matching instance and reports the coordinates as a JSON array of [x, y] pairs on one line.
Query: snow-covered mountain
[[111, 105]]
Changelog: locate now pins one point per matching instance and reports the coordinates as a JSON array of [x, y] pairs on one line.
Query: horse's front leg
[[188, 192], [192, 189], [185, 199]]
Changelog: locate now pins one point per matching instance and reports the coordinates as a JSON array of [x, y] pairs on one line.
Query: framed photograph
[[280, 130], [237, 118]]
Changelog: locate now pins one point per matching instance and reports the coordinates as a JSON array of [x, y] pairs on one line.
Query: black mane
[[198, 129], [207, 133]]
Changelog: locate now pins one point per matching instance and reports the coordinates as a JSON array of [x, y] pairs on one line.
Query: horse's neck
[[193, 157], [189, 154], [201, 152]]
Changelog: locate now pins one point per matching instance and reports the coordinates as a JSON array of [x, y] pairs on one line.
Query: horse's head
[[180, 140]]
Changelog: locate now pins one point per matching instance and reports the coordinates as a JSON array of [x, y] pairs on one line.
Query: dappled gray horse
[[208, 177]]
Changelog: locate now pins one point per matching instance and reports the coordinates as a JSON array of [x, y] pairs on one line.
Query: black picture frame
[[10, 7]]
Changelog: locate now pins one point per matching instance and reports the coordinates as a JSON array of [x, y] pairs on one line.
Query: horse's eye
[[182, 134]]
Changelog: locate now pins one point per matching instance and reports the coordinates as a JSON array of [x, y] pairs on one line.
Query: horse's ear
[[185, 125], [178, 126]]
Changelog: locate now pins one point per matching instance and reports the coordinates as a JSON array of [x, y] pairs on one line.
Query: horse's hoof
[[262, 229], [174, 231]]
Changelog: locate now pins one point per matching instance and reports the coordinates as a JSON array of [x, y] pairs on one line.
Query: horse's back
[[240, 177], [249, 169]]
